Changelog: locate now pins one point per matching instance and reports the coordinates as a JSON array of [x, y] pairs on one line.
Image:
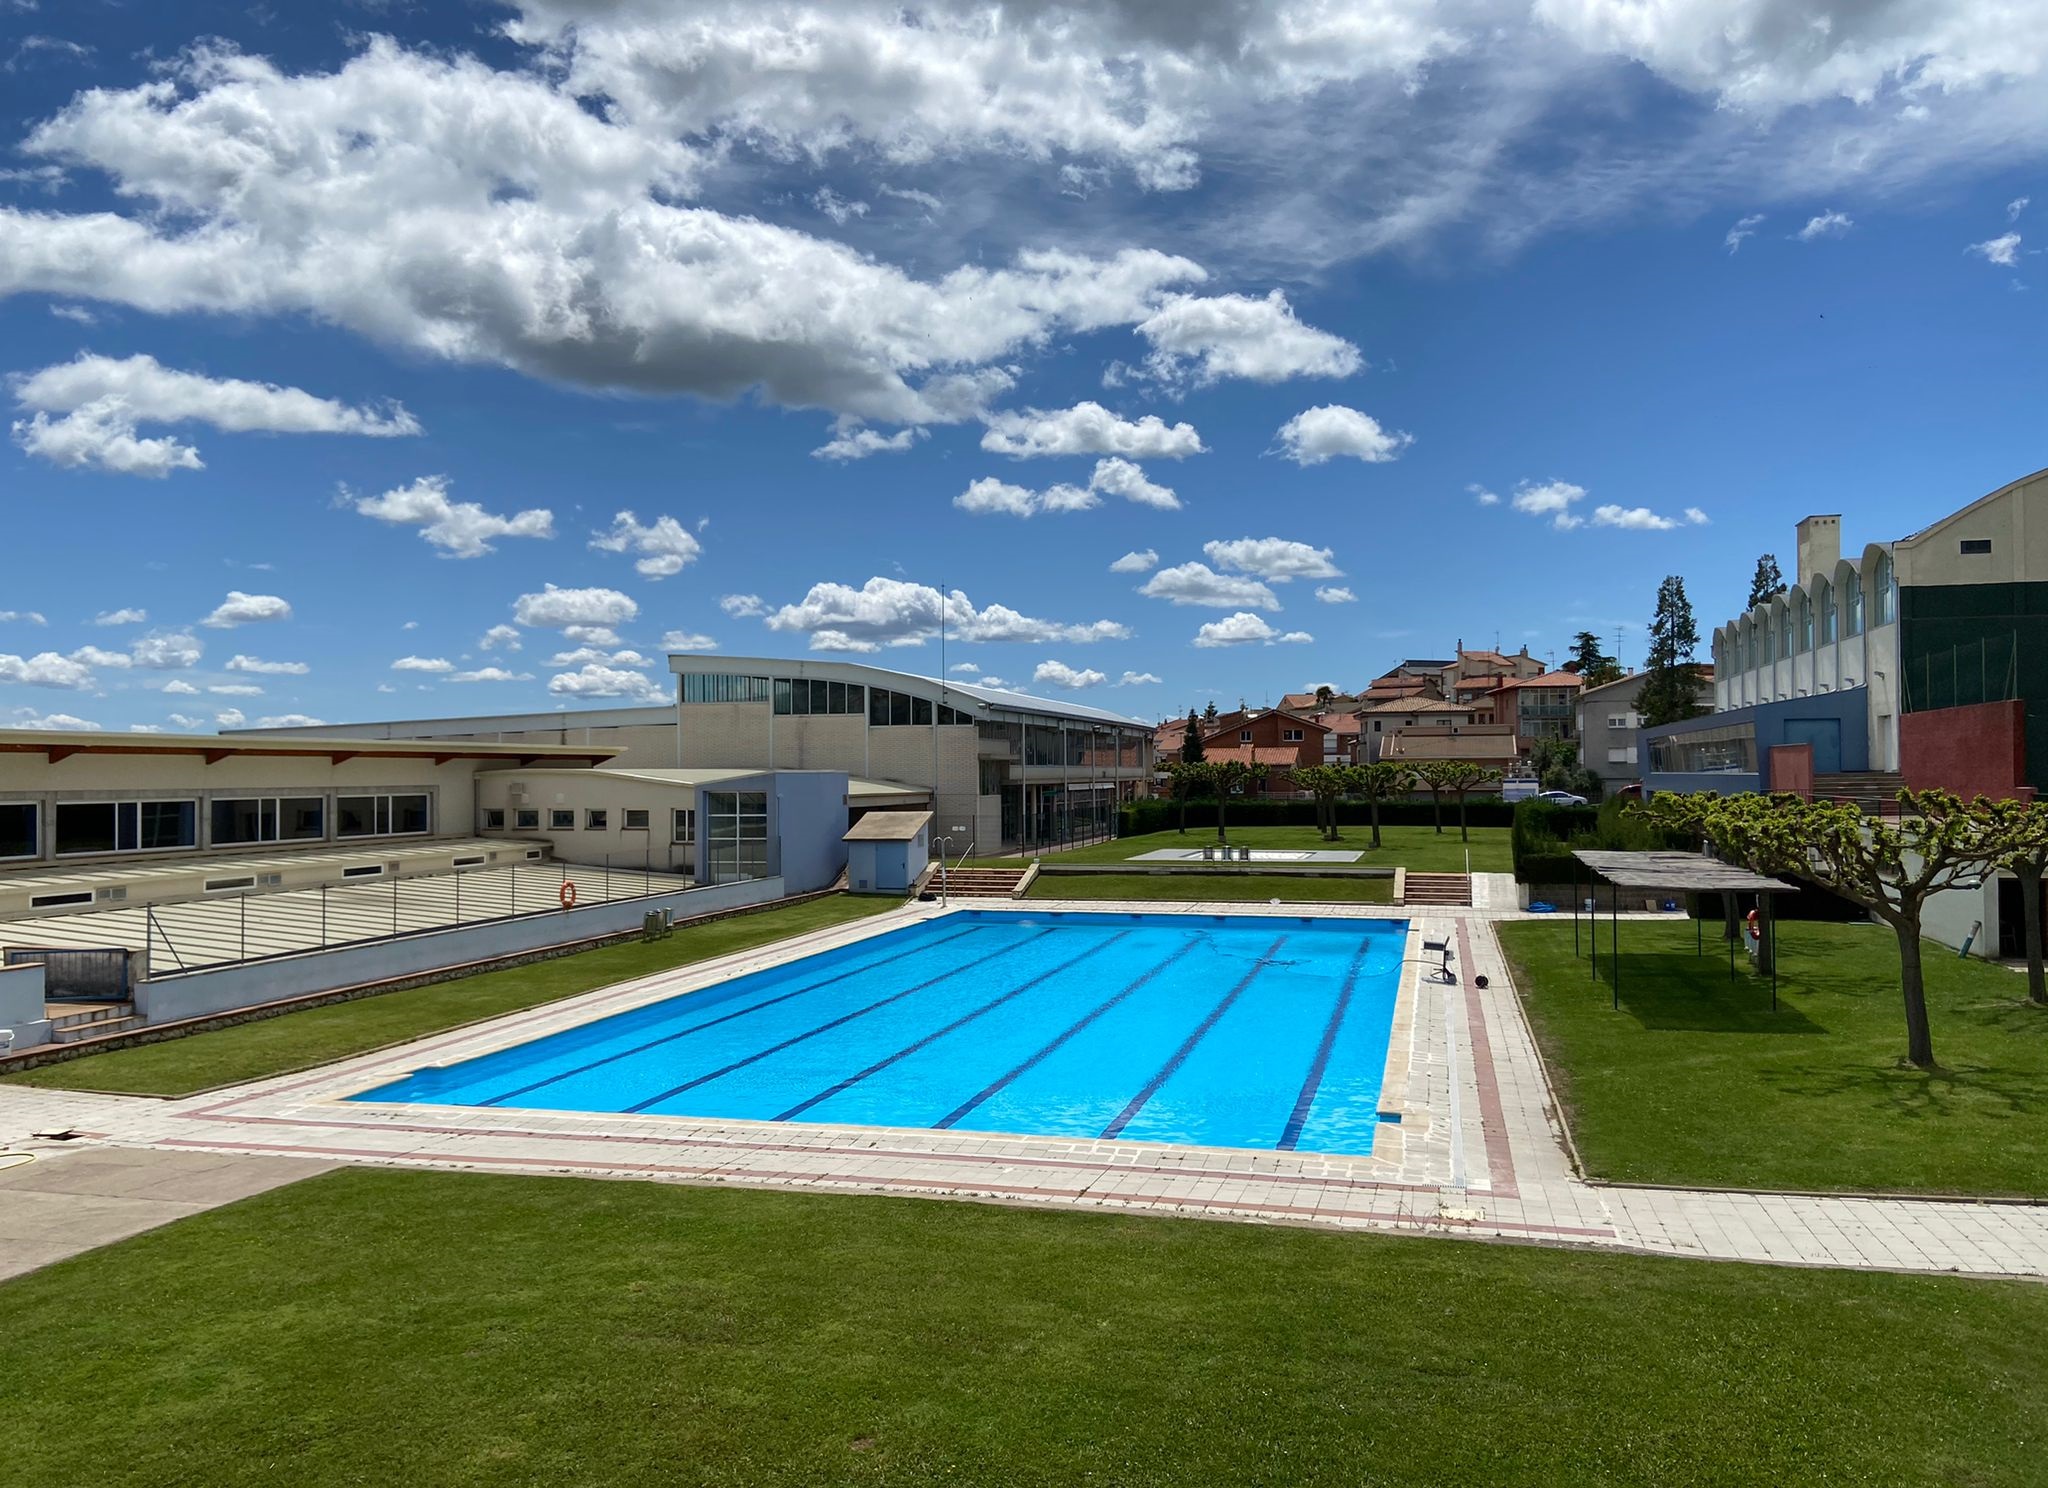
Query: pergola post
[[1614, 941]]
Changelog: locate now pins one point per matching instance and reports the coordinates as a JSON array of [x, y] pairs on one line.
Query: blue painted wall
[[806, 820], [1788, 721]]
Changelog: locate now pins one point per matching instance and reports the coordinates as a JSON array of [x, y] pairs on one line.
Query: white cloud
[[1743, 230], [559, 609], [1088, 429], [1483, 496], [2003, 250], [235, 689], [859, 443], [490, 674], [1275, 559], [743, 606], [1138, 679], [964, 668], [499, 635], [1059, 674], [120, 617], [76, 314], [94, 656], [230, 718], [87, 412], [1121, 477], [166, 651], [1828, 224], [1634, 519], [995, 682], [1198, 584], [188, 721], [1143, 560], [45, 669], [837, 207], [1336, 594], [179, 687], [687, 640], [595, 680], [1697, 517], [460, 529], [247, 609], [1245, 629], [665, 548], [428, 664], [240, 663], [1553, 499], [23, 617], [591, 635], [1316, 435], [2016, 206], [991, 497], [1205, 338], [28, 718], [290, 720], [893, 612]]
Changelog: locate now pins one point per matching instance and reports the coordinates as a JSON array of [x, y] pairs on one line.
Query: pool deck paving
[[1477, 1152]]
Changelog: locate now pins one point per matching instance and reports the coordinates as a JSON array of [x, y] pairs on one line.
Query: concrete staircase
[[981, 883], [73, 1021], [1876, 791], [1438, 890]]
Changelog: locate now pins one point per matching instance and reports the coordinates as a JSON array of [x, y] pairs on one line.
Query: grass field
[[1418, 848], [1697, 1081], [441, 1328], [1215, 887], [294, 1041]]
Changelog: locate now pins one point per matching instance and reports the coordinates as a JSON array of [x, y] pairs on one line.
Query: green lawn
[[442, 1328], [294, 1041], [1697, 1081], [1421, 849], [1222, 888]]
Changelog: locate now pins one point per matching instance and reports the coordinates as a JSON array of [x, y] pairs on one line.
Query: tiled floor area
[[1476, 1152]]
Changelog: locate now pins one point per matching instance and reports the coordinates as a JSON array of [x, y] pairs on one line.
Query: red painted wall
[[1977, 750], [1791, 769]]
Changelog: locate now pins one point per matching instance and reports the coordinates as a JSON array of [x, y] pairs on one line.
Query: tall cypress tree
[[1191, 741], [1768, 583], [1594, 666], [1671, 676]]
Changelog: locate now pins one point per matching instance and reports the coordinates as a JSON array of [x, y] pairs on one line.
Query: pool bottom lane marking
[[961, 1022], [1314, 1080], [954, 1116], [682, 1033], [1180, 1055], [827, 1027]]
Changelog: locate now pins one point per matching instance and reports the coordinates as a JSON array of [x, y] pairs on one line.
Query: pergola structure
[[1675, 873]]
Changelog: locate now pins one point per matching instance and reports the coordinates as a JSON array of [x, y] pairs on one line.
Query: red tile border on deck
[[1493, 1122]]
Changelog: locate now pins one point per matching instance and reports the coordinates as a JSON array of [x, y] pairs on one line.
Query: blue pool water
[[1227, 1031]]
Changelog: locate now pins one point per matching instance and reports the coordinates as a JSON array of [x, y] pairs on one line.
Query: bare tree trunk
[[1375, 823], [1463, 835], [1436, 806], [2029, 875], [1919, 1039], [1221, 835]]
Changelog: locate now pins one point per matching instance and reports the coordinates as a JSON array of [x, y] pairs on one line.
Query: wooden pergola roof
[[1678, 872]]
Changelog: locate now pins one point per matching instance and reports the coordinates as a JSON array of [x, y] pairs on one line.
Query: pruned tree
[[1327, 784], [1191, 740], [1231, 778], [2025, 825], [1768, 582], [1457, 779], [1890, 867], [1376, 783], [1185, 778]]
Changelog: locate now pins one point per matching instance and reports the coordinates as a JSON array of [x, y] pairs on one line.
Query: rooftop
[[888, 826], [60, 744]]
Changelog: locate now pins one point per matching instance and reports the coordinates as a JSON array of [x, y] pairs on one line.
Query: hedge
[[1162, 814], [1545, 836]]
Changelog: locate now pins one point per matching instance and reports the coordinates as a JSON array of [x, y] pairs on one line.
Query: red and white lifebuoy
[[1755, 926], [568, 894]]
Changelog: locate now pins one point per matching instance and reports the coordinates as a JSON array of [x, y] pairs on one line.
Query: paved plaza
[[1478, 1151]]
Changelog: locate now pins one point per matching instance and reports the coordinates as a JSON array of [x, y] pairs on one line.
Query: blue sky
[[337, 344]]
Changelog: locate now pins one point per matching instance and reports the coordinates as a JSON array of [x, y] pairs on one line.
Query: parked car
[[1560, 798]]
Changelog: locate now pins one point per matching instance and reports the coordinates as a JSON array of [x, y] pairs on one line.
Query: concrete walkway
[[1476, 1153]]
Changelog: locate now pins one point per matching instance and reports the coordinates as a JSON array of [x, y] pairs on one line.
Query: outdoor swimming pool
[[1231, 1031]]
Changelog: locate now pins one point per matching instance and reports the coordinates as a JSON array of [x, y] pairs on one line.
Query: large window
[[1887, 590], [494, 818], [735, 836], [526, 819], [240, 819], [636, 819], [1728, 750], [683, 824], [125, 826], [1852, 607], [561, 820], [897, 709], [380, 816], [19, 837], [1803, 612], [1824, 601], [716, 687], [795, 695]]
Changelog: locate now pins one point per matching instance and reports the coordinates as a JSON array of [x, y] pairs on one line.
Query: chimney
[[1819, 548]]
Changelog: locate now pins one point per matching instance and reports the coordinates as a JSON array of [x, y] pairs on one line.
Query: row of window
[[683, 823], [78, 828], [802, 697], [1759, 646]]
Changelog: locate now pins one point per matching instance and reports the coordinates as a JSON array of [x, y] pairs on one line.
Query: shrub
[[1162, 814]]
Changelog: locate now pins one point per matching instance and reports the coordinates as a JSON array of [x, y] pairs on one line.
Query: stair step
[[83, 1015], [98, 1028], [1453, 890]]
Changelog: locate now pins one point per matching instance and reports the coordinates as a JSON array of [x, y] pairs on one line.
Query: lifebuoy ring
[[1755, 926], [568, 894]]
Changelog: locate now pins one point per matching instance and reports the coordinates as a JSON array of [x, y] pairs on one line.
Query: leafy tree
[[1768, 583], [1671, 680], [1191, 741], [2025, 824], [1594, 666], [1323, 696], [1215, 780], [1376, 783], [1890, 867], [1458, 778], [1327, 783]]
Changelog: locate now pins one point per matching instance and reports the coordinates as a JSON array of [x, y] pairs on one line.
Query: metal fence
[[1986, 670], [78, 973]]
